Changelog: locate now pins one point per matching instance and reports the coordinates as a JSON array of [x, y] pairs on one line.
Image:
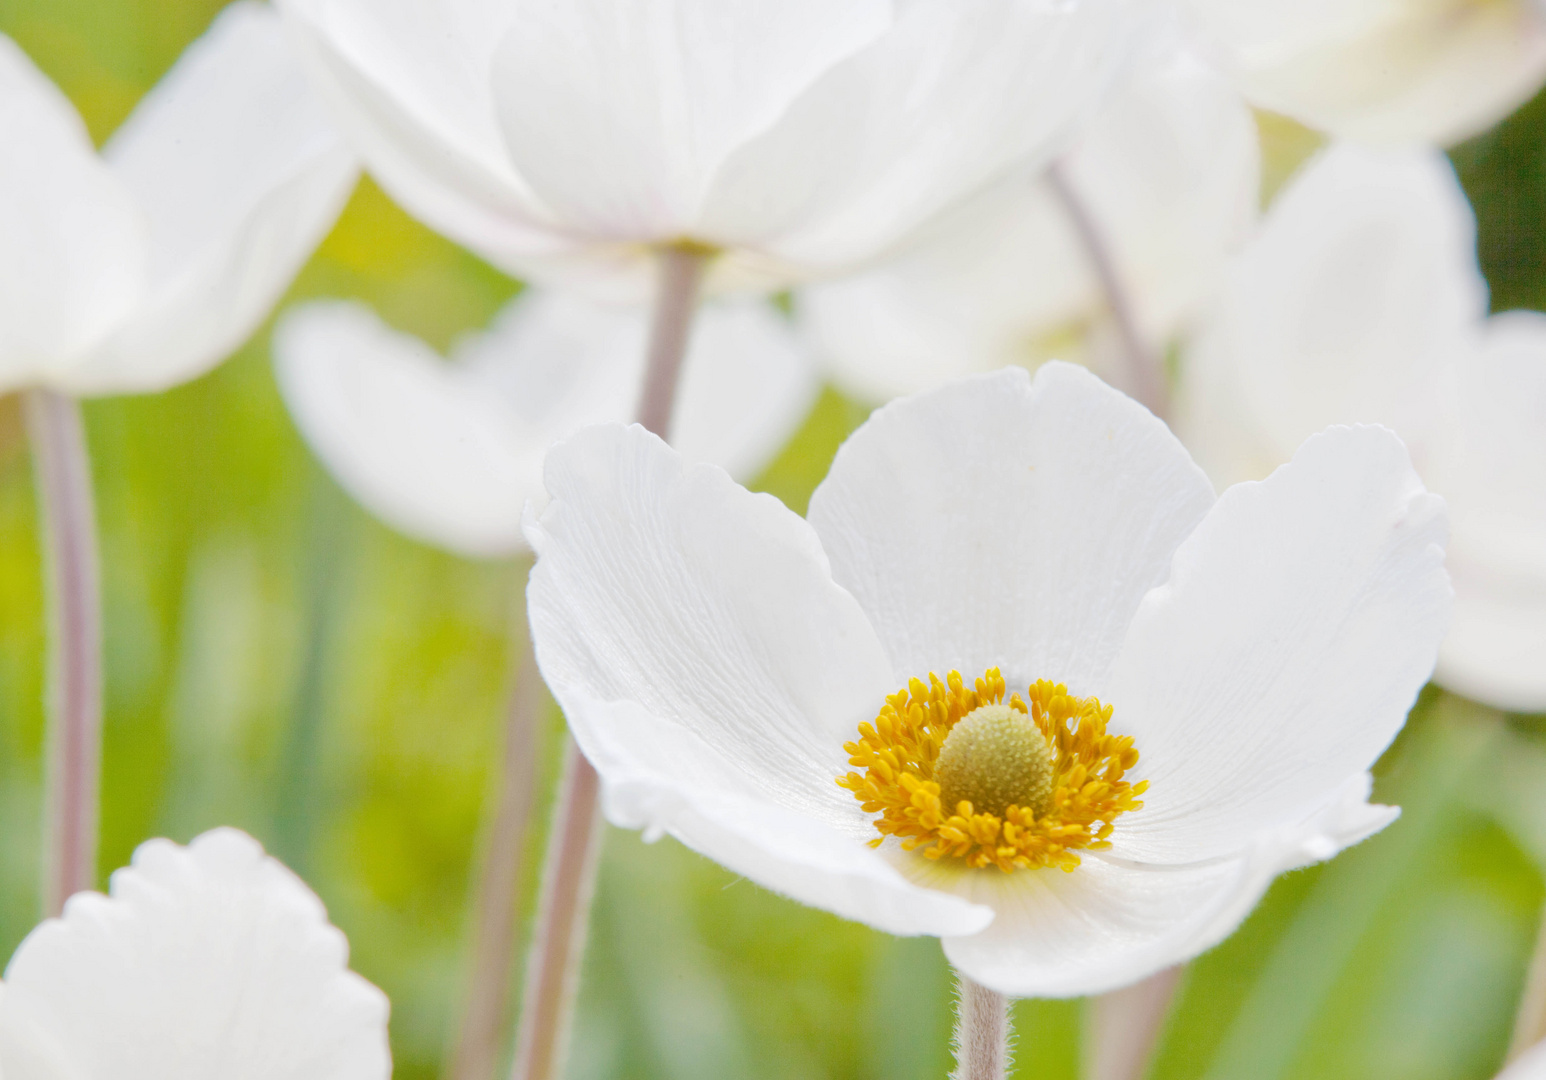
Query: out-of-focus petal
[[1349, 307], [1298, 624], [1531, 1065], [1008, 523], [948, 101], [210, 960], [72, 243], [1384, 71], [619, 116], [1494, 479]]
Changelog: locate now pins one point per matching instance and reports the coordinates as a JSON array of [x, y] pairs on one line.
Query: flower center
[[995, 758], [959, 773]]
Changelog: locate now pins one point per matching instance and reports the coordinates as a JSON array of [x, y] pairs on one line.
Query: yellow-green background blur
[[279, 661]]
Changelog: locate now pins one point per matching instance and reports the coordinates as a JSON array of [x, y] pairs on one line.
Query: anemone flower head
[[451, 453], [143, 267], [574, 136], [210, 960], [1381, 71], [1021, 681], [1169, 170], [1361, 300]]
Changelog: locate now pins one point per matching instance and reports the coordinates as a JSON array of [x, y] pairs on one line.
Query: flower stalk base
[[982, 1034]]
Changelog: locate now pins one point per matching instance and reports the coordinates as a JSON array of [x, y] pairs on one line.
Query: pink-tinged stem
[[63, 469], [982, 1032], [1145, 377], [1125, 1026], [481, 1037], [563, 912]]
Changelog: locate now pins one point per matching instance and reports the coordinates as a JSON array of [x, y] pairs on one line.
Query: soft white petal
[[422, 448], [1003, 522], [1387, 71], [1531, 1065], [1169, 168], [1282, 655], [240, 177], [1350, 307], [210, 960], [72, 244], [619, 115], [1494, 478], [666, 585], [450, 452], [955, 95], [1107, 925]]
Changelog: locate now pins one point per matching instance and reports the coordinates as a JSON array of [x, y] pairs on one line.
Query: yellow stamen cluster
[[899, 752]]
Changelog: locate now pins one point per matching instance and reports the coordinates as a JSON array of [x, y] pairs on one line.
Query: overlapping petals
[[143, 268], [451, 452], [210, 960], [712, 652]]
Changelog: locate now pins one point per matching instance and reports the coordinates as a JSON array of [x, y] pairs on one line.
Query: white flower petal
[[712, 609], [1170, 169], [1531, 1065], [1298, 624], [1382, 70], [420, 447], [72, 243], [1106, 925], [210, 960], [663, 778], [949, 100], [1494, 479], [240, 178], [1003, 522], [619, 115], [1348, 308]]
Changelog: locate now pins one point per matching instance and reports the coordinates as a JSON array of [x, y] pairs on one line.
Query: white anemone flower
[[450, 453], [1531, 1065], [210, 960], [1170, 171], [143, 267], [794, 135], [1239, 662], [1381, 71], [1361, 301]]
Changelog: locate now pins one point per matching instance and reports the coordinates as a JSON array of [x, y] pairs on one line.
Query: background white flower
[[1361, 301], [144, 267], [713, 652], [798, 134], [452, 452], [1385, 71], [1171, 171], [206, 961]]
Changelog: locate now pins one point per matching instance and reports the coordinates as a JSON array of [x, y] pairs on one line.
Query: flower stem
[[1530, 1019], [1144, 374], [63, 469], [552, 973], [481, 1036], [1126, 1024], [982, 1032]]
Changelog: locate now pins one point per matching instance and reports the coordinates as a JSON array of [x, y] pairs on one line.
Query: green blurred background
[[278, 661]]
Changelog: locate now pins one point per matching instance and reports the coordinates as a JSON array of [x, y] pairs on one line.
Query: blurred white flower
[[144, 267], [714, 653], [796, 135], [1170, 171], [1361, 301], [1531, 1065], [1383, 71], [206, 961], [450, 453]]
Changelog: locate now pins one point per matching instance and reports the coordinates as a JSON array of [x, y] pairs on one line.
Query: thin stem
[[1530, 1020], [1144, 374], [63, 468], [563, 910], [494, 934], [982, 1032], [1125, 1025]]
